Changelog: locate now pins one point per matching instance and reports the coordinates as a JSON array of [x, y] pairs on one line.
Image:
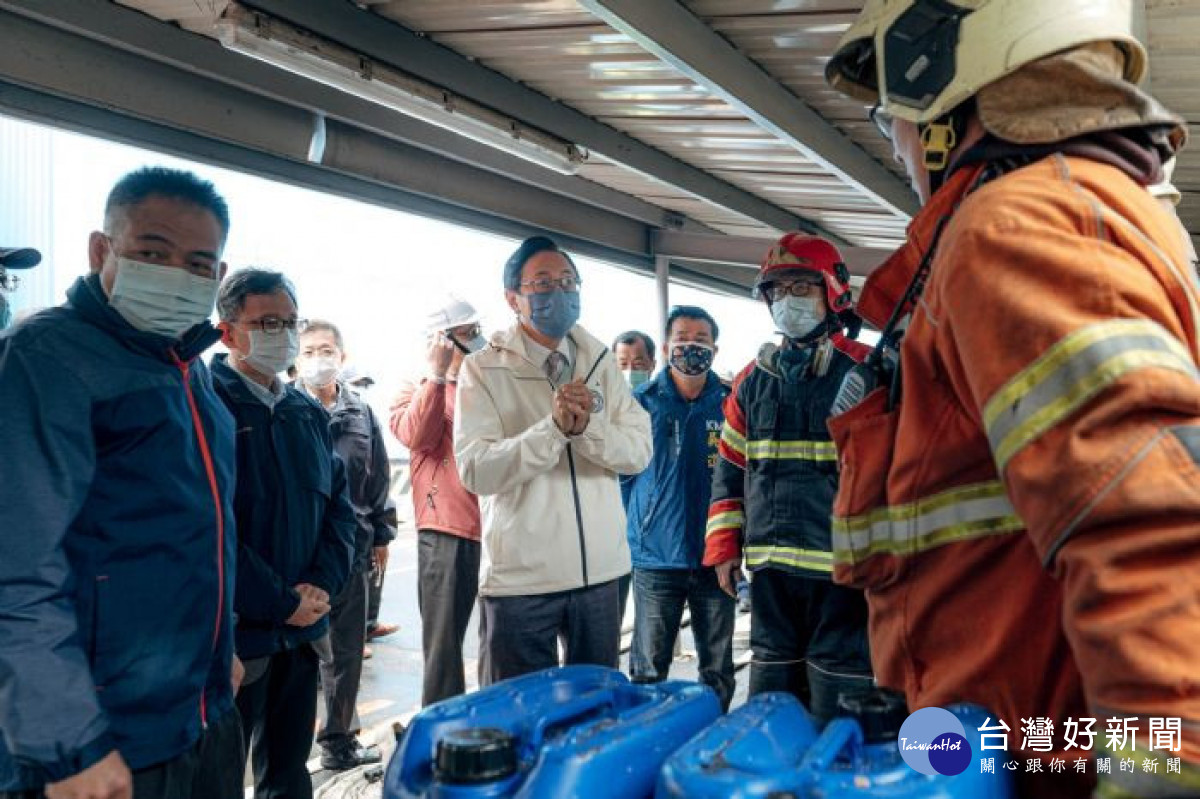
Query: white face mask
[[796, 317], [319, 372], [272, 353], [161, 299]]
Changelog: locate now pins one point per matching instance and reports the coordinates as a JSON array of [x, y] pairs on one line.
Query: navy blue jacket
[[117, 542], [667, 504], [358, 441], [295, 522]]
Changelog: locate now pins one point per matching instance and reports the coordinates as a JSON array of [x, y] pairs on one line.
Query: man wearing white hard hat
[[446, 513]]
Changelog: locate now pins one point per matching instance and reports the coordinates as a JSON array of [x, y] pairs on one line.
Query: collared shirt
[[538, 354], [267, 396], [339, 401]]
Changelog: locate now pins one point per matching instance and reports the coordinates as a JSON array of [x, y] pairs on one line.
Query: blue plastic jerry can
[[754, 751], [574, 731], [842, 764], [770, 748]]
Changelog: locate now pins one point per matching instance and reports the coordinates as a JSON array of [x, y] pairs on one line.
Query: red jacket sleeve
[[419, 417]]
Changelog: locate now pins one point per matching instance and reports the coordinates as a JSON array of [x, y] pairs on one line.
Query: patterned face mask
[[691, 358]]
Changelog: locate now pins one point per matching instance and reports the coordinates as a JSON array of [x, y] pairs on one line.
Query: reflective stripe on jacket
[[774, 484], [1027, 522]]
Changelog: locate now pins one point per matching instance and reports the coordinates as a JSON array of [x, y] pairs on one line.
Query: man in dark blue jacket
[[666, 506], [296, 527], [116, 517]]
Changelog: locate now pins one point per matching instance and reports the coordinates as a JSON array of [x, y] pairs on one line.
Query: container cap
[[878, 712], [475, 755]]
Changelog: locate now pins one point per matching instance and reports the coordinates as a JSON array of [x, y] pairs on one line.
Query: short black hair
[[691, 312], [324, 326], [529, 248], [231, 297], [175, 184], [632, 337]]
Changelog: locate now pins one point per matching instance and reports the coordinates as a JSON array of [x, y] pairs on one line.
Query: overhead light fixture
[[266, 38]]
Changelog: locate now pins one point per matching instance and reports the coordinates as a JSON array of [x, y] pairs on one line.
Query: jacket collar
[[233, 385], [510, 343], [87, 298], [886, 285]]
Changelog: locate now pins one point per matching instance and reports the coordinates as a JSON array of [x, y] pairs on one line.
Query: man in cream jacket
[[544, 424]]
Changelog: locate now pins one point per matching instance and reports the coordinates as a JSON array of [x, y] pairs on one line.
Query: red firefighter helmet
[[800, 251]]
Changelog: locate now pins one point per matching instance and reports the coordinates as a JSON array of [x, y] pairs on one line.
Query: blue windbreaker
[[117, 543], [666, 506]]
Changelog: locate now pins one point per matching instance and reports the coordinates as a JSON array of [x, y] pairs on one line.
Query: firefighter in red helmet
[[774, 484]]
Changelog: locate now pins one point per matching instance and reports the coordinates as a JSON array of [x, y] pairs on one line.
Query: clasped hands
[[572, 407]]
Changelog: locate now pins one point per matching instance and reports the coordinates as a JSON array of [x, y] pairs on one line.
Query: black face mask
[[691, 358]]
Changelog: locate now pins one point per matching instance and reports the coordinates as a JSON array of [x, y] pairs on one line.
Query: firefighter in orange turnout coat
[[1020, 497]]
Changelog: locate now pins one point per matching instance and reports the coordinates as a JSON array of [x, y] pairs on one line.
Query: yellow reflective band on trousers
[[733, 439], [960, 514], [729, 520], [823, 451], [811, 559], [1070, 373]]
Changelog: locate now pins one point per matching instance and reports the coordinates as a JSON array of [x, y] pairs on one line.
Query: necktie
[[555, 364]]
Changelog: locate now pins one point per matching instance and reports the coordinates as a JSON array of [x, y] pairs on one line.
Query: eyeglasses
[[9, 281], [800, 288], [319, 352], [883, 121], [545, 285], [469, 333], [273, 324]]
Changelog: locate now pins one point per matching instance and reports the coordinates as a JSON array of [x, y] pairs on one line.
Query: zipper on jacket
[[578, 515], [575, 482], [210, 470]]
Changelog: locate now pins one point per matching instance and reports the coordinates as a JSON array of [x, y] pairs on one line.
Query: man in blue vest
[[666, 507]]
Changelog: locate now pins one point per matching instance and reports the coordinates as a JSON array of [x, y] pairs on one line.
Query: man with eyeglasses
[[774, 484], [358, 440], [545, 423], [296, 527], [447, 514], [117, 540]]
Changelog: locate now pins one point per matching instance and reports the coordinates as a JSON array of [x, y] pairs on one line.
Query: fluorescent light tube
[[280, 44]]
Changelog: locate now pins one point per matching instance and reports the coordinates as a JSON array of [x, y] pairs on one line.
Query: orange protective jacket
[[1026, 521]]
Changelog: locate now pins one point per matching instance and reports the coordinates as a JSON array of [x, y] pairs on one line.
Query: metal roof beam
[[136, 32], [393, 44], [678, 37], [747, 251], [51, 75]]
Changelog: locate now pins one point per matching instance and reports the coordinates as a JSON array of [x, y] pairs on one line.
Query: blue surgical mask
[[554, 313], [161, 299], [796, 317], [636, 377], [272, 353]]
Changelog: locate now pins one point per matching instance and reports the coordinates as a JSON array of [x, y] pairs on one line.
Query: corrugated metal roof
[[583, 62], [1174, 33], [563, 51]]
